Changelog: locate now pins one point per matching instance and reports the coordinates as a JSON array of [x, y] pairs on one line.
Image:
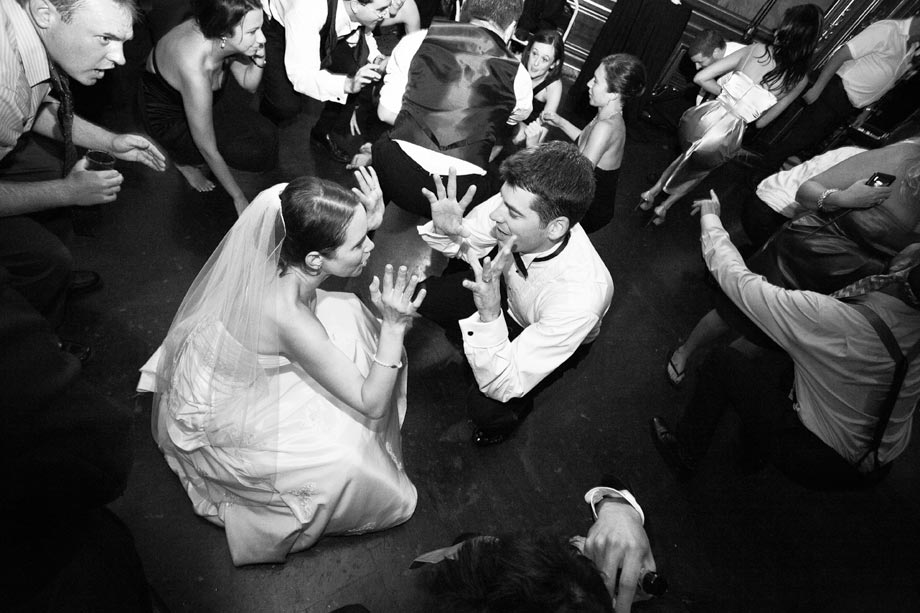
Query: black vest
[[329, 40], [460, 92]]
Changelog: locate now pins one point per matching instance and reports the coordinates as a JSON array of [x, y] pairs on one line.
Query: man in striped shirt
[[40, 41]]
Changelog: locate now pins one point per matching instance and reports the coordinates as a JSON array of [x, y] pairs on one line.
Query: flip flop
[[675, 377]]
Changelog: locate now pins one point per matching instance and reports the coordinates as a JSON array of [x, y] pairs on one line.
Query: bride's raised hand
[[394, 297], [370, 194]]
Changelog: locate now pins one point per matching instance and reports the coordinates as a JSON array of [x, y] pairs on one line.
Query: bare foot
[[196, 178]]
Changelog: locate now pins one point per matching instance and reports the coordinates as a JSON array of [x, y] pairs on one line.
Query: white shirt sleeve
[[397, 76], [302, 24], [596, 494], [480, 241], [506, 369], [784, 315], [523, 93]]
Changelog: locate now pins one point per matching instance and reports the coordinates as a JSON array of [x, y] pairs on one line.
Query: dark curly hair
[[217, 18], [525, 573], [793, 44]]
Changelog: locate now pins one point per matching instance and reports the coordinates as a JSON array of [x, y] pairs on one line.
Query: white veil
[[213, 388]]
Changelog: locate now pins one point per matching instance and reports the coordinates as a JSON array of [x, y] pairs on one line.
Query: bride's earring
[[223, 42]]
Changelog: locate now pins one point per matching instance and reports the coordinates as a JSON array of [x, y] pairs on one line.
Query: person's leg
[[804, 458], [280, 102], [757, 390], [402, 180], [813, 125], [708, 330], [447, 302], [759, 221], [335, 117], [36, 264], [246, 140], [494, 421]]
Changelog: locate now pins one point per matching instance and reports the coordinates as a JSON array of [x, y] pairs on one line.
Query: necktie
[[866, 285], [60, 87]]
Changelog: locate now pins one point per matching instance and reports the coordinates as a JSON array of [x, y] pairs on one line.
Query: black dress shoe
[[669, 448], [83, 282], [79, 351], [328, 144], [486, 438]]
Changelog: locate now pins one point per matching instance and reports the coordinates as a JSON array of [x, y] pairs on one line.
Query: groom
[[531, 309]]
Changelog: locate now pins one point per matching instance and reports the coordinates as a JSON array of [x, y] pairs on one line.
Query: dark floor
[[727, 541]]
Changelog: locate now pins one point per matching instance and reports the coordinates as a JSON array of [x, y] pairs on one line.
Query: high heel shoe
[[660, 212], [645, 203]]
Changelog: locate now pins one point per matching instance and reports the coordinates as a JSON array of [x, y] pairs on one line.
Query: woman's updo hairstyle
[[316, 214], [217, 18], [625, 75]]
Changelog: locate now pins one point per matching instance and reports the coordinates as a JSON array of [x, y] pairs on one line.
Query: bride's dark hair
[[793, 43], [316, 214]]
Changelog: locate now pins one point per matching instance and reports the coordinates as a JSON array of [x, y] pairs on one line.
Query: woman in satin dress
[[278, 404], [755, 84]]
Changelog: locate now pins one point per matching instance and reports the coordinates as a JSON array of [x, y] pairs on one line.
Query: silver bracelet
[[385, 365], [823, 197]]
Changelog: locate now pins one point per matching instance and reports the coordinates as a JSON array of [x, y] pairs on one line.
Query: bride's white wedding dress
[[265, 451]]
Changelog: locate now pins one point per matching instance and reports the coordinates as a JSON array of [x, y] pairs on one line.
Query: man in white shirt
[[43, 45], [832, 431], [521, 323], [450, 93], [856, 75], [323, 49], [709, 47]]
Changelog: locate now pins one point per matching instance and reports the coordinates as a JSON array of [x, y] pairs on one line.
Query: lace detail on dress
[[368, 527], [389, 447], [304, 498]]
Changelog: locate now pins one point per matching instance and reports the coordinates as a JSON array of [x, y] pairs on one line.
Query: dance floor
[[726, 541]]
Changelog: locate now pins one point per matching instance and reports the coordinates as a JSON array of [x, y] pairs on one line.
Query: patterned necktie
[[60, 87], [865, 285]]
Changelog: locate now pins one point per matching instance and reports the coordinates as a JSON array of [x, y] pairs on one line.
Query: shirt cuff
[[439, 242], [480, 334], [596, 494]]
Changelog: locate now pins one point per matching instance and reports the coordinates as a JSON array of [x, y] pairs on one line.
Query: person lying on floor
[[539, 571]]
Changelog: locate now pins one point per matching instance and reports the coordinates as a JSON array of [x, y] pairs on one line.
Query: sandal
[[675, 376]]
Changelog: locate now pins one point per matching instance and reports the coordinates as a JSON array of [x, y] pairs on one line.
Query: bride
[[279, 404]]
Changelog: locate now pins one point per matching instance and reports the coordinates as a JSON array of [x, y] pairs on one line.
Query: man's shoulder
[[883, 32], [582, 274]]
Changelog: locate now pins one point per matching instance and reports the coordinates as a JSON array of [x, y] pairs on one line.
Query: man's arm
[[784, 315], [523, 94], [506, 369], [302, 23], [830, 68], [397, 76], [79, 187], [617, 542], [129, 147]]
